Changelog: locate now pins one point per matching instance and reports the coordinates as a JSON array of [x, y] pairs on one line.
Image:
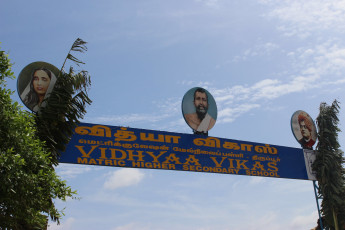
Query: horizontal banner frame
[[117, 146]]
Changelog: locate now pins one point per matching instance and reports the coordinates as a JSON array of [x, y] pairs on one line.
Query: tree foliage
[[28, 182], [329, 168], [65, 106]]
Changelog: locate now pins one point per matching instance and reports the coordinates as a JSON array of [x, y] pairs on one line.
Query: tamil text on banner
[[139, 148]]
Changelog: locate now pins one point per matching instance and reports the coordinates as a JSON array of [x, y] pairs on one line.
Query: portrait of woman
[[40, 82]]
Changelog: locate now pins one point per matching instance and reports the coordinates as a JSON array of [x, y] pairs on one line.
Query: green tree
[[28, 181], [30, 145], [329, 168]]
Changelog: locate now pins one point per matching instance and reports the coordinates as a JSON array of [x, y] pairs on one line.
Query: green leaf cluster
[[28, 182], [66, 105], [329, 168]]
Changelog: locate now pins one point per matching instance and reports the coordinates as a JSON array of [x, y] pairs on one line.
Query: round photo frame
[[35, 83], [303, 129], [199, 109]]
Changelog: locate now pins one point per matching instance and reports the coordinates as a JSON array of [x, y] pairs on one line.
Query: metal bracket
[[317, 198]]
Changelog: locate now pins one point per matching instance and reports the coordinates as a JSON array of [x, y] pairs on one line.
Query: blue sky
[[261, 60]]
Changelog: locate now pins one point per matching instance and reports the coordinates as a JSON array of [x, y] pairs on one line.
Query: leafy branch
[[66, 105], [328, 166]]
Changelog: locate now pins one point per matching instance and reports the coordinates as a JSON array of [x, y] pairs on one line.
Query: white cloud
[[274, 88], [258, 50], [264, 83], [229, 95], [123, 178], [305, 222], [302, 18], [291, 186], [130, 118], [316, 67], [72, 170], [268, 220], [132, 226], [256, 180], [169, 106], [184, 82], [210, 3], [64, 225], [311, 67], [230, 114], [326, 59]]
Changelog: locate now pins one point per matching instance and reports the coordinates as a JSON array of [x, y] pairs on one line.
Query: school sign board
[[116, 146]]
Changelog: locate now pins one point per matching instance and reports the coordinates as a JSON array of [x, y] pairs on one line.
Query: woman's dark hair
[[31, 99]]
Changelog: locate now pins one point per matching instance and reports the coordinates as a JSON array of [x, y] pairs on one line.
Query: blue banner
[[139, 148]]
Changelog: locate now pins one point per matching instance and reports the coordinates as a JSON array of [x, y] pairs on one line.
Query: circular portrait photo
[[199, 109], [304, 129], [35, 82]]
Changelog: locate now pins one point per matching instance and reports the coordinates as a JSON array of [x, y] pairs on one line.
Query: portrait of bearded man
[[304, 129], [201, 120]]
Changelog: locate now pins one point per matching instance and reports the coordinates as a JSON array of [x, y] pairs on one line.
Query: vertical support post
[[317, 198], [200, 133]]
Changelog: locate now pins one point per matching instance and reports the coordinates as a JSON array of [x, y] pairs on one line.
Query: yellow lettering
[[172, 157], [113, 154], [174, 139], [92, 161], [192, 159], [231, 145], [231, 161], [150, 137], [258, 165], [272, 166], [108, 162], [148, 165], [124, 135], [216, 162], [246, 147], [103, 153], [156, 165], [155, 158], [81, 149], [131, 155], [136, 164], [82, 160], [172, 166], [241, 163]]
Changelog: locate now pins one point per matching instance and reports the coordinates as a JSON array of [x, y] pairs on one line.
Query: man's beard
[[201, 112]]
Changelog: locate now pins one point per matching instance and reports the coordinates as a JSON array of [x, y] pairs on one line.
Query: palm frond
[[78, 46], [74, 59], [65, 106]]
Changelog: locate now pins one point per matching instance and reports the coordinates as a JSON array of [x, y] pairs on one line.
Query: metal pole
[[317, 197]]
